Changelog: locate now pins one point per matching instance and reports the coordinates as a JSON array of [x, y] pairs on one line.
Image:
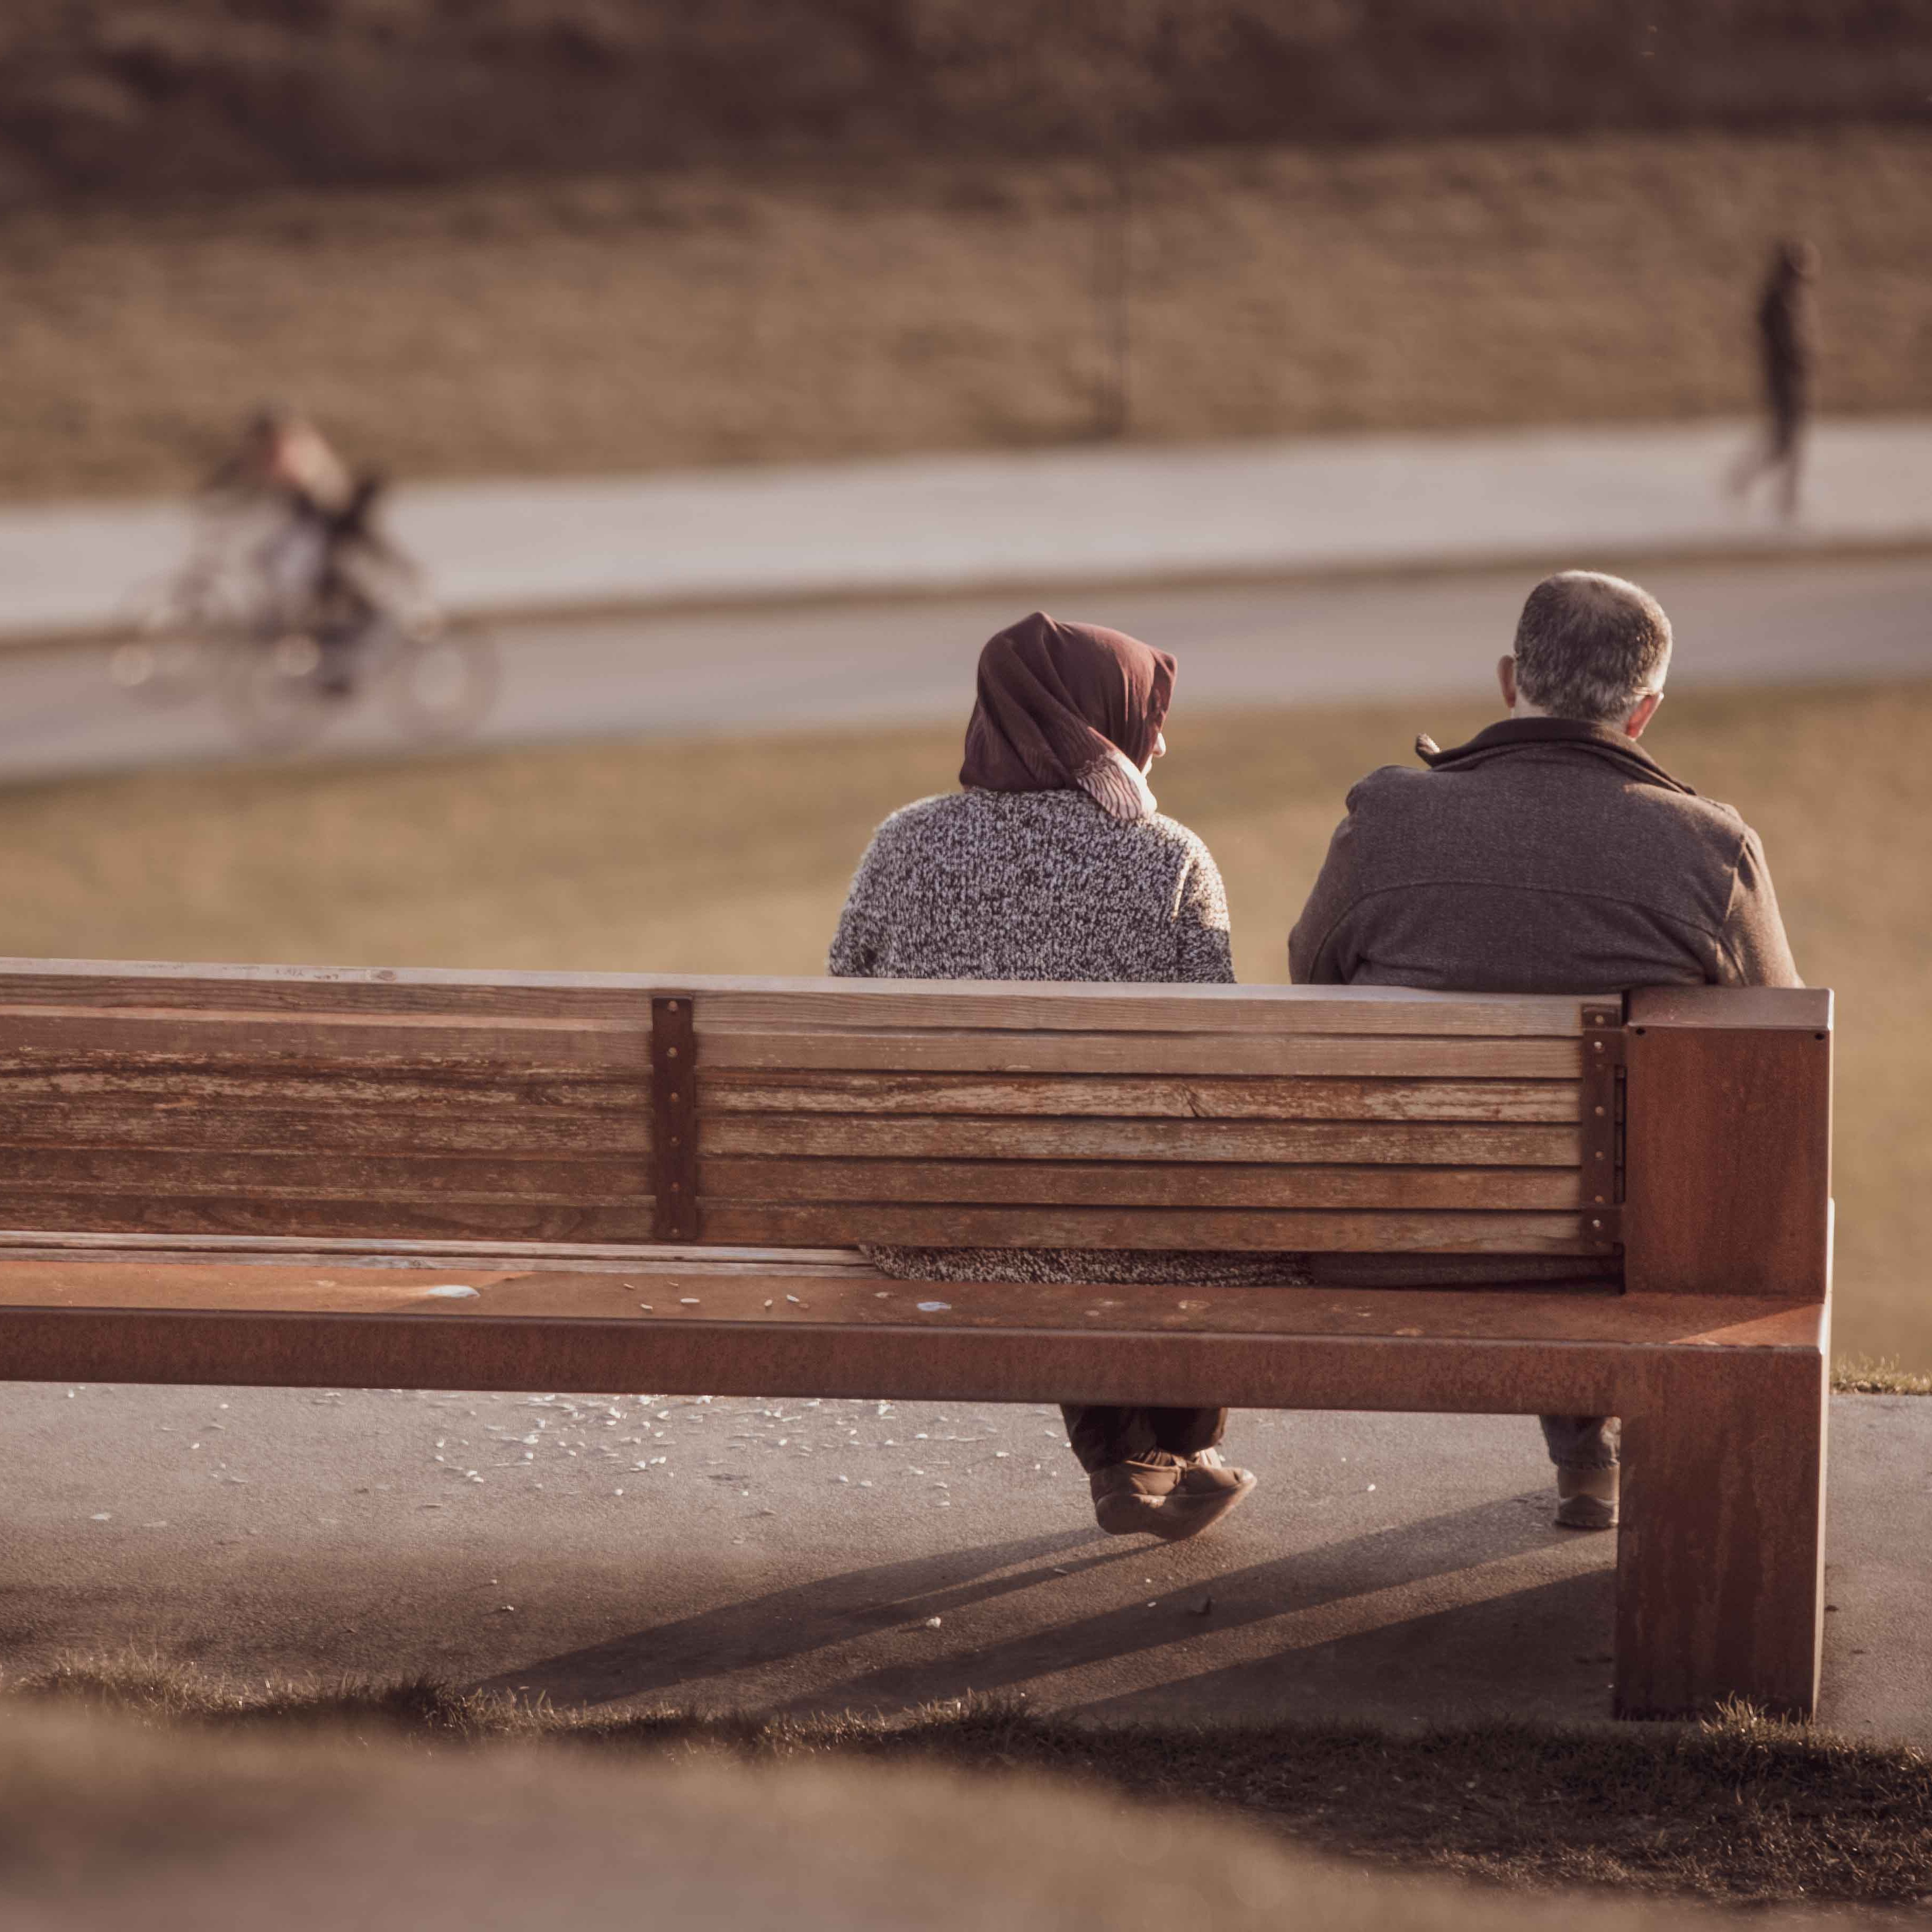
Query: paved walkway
[[1113, 514], [1414, 637], [777, 1556]]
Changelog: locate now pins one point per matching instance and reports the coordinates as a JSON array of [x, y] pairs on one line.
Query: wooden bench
[[261, 1174]]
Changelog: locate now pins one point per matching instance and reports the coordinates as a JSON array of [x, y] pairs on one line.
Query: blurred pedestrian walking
[[1787, 350]]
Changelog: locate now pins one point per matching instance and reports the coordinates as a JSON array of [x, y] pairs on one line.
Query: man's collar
[[1513, 734]]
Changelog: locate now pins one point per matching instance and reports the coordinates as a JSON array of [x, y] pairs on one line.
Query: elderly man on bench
[[1550, 853]]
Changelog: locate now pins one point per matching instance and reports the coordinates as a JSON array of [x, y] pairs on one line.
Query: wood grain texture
[[147, 1251], [1727, 1162], [1396, 1144], [271, 1348], [113, 1081], [1761, 1008], [1721, 1556], [424, 1218], [445, 1113], [185, 1125], [725, 1091], [1123, 1184], [1023, 1007], [348, 990], [1283, 1230], [909, 1050], [738, 1001], [728, 1302], [36, 1040], [347, 1178]]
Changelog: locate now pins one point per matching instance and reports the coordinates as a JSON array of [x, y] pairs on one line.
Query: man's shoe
[[1129, 1497], [1586, 1498]]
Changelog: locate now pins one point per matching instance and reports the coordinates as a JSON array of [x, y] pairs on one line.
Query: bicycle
[[439, 683], [220, 627]]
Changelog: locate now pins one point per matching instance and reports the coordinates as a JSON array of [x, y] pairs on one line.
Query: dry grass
[[652, 321], [1863, 1375], [1740, 1810], [734, 856]]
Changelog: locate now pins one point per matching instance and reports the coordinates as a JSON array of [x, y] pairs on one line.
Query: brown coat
[[1544, 855]]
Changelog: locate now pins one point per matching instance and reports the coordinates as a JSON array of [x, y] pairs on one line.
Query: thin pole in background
[[1114, 291]]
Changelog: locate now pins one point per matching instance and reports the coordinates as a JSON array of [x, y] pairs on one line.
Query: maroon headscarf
[[1067, 706]]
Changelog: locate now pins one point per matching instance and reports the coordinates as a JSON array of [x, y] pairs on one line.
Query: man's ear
[[1506, 679], [1646, 710]]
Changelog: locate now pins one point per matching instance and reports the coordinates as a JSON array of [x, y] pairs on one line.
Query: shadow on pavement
[[1542, 1654], [789, 1623], [1404, 1558]]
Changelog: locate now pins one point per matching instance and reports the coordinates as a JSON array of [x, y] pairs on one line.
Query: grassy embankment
[[781, 312], [734, 856], [121, 99], [1738, 1811]]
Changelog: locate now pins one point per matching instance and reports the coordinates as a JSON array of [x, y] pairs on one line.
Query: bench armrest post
[[1728, 1143]]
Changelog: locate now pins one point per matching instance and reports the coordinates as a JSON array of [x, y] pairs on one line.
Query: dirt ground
[[647, 321], [734, 855]]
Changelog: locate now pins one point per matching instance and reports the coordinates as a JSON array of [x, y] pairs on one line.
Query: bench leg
[[1721, 1559]]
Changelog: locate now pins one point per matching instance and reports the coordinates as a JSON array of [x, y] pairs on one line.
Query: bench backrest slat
[[180, 1100], [279, 1101], [187, 1106]]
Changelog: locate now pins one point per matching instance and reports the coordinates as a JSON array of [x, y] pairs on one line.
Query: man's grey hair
[[1589, 646]]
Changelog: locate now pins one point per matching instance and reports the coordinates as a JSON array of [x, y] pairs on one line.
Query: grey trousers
[[1581, 1442]]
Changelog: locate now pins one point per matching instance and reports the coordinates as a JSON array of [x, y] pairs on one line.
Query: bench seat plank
[[862, 1296], [722, 1332]]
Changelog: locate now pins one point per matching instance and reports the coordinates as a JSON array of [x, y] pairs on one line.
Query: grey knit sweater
[[1045, 885], [1032, 885]]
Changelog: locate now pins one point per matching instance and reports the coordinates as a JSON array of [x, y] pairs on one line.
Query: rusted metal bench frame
[[1707, 1169]]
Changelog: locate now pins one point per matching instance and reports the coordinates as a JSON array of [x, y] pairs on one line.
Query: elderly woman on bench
[[1052, 863]]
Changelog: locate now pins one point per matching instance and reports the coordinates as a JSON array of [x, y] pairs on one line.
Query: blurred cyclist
[[325, 570]]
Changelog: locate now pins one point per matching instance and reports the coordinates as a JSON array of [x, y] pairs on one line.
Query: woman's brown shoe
[[1167, 1496], [1208, 1488], [1129, 1497]]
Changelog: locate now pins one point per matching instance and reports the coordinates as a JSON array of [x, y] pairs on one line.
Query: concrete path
[[788, 1556], [1058, 516], [897, 661]]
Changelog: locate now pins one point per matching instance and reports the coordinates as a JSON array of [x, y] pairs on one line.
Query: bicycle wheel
[[442, 683], [177, 652], [275, 694]]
